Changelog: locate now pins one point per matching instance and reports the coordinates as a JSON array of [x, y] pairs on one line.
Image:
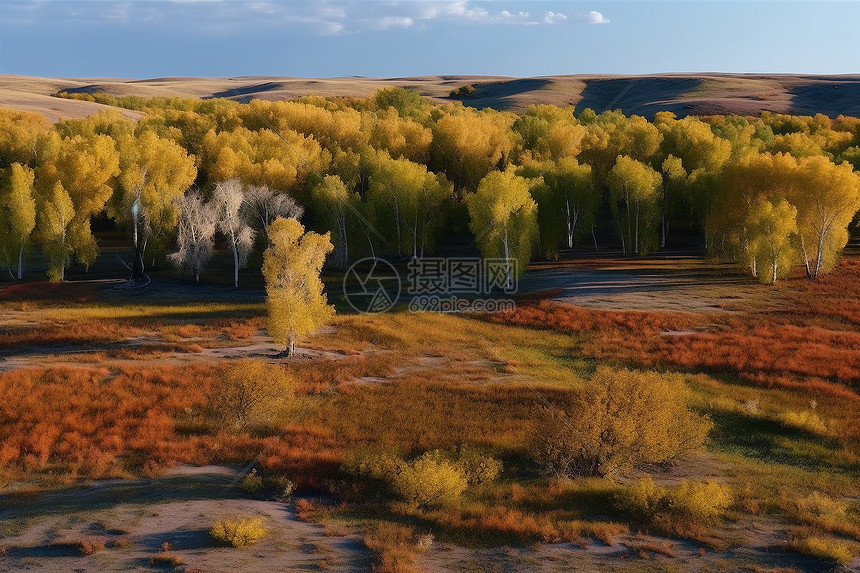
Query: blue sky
[[329, 38]]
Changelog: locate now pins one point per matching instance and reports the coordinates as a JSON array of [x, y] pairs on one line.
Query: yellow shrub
[[825, 548], [624, 419], [250, 393], [642, 500], [818, 508], [700, 501], [806, 420], [477, 467], [238, 532], [429, 480]]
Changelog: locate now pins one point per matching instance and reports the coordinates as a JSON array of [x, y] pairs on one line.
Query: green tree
[[635, 193], [503, 218], [291, 267], [337, 207], [411, 199], [17, 214]]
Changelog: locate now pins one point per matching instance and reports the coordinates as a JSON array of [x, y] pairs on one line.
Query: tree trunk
[[291, 344], [569, 226], [197, 276], [507, 261], [21, 262], [636, 248], [235, 266], [820, 256], [805, 257], [594, 237]]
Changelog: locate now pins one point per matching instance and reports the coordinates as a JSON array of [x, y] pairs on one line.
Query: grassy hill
[[684, 94]]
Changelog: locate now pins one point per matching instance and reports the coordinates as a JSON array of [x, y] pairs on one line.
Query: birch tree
[[55, 214], [17, 215], [635, 189], [337, 207], [228, 200], [263, 205], [504, 220], [827, 199], [771, 225], [295, 299], [198, 222]]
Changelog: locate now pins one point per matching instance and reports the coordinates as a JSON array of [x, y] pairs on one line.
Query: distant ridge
[[683, 94]]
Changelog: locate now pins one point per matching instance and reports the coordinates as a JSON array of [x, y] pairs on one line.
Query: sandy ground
[[40, 530], [679, 283], [683, 94]]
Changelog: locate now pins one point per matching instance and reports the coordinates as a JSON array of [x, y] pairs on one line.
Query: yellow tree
[[469, 144], [55, 214], [336, 206], [409, 198], [827, 199], [771, 225], [20, 132], [85, 168], [635, 192], [17, 214], [292, 264], [503, 217], [155, 173]]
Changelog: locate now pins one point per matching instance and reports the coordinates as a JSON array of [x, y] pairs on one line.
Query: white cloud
[[553, 17], [595, 17], [395, 22]]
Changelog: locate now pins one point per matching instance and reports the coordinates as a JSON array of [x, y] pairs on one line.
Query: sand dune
[[683, 94]]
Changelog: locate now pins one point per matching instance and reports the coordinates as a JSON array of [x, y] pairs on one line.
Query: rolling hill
[[683, 94]]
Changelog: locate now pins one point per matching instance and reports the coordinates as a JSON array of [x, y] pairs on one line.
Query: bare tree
[[263, 206], [198, 221], [229, 199]]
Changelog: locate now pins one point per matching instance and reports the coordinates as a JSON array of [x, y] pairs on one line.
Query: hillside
[[684, 94]]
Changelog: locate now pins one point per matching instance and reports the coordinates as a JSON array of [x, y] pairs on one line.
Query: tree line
[[395, 174]]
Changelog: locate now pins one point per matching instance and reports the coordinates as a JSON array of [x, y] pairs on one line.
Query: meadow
[[99, 386]]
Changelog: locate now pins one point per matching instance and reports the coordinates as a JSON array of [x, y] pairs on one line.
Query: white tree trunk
[[21, 262]]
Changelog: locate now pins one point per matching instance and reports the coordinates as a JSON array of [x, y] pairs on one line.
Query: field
[[683, 94], [115, 457]]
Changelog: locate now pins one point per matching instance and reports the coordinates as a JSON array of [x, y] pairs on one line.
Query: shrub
[[625, 419], [820, 509], [252, 483], [250, 393], [463, 91], [642, 500], [825, 548], [393, 546], [429, 480], [699, 501], [238, 532], [90, 545], [477, 467]]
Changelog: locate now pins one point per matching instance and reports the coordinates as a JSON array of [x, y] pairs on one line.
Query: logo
[[371, 285]]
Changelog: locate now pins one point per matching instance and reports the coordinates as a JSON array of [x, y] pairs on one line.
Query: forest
[[397, 175]]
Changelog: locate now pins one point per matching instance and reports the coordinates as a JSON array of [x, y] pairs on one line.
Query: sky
[[381, 38]]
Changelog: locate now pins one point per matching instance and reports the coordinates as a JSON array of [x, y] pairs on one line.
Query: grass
[[786, 435]]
